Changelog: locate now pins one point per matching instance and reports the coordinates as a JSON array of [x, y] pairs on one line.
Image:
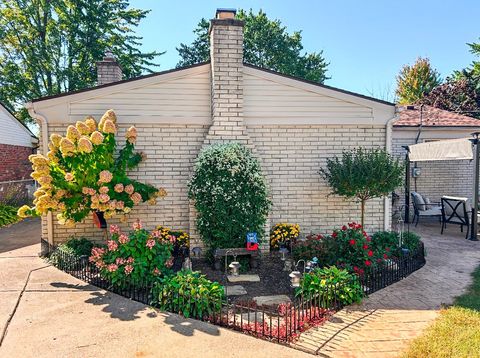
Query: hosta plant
[[284, 235], [190, 294], [82, 173], [332, 286], [139, 257], [8, 215]]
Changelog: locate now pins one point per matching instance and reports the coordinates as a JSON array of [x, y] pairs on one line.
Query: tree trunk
[[363, 212]]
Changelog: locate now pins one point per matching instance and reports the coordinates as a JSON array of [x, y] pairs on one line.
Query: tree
[[416, 81], [460, 93], [267, 44], [51, 46], [363, 174]]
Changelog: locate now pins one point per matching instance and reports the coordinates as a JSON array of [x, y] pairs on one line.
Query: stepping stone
[[235, 290], [271, 300], [243, 278]]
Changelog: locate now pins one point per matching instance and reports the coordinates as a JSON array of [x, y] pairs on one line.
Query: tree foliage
[[230, 195], [416, 81], [51, 46], [363, 174], [267, 44]]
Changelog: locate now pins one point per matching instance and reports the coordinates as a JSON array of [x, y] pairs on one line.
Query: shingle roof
[[409, 116]]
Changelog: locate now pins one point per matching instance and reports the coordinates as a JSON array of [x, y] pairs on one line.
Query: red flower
[[368, 239], [365, 246], [334, 235], [344, 227], [370, 253], [352, 242], [355, 268], [368, 263], [387, 249], [351, 224], [385, 256]]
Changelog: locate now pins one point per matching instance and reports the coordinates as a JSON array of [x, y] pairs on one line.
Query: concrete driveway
[[47, 313]]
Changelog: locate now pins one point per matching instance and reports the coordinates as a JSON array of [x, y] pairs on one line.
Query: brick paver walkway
[[384, 323]]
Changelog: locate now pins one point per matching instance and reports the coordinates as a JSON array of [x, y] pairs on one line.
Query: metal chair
[[423, 208], [455, 211]]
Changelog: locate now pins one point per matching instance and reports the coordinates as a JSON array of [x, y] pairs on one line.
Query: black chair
[[455, 211]]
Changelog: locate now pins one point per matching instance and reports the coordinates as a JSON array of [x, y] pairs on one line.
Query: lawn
[[456, 333]]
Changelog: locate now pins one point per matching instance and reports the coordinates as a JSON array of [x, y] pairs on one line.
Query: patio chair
[[423, 207], [455, 211]]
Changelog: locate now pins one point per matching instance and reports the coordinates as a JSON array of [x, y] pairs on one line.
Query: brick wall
[[14, 164]]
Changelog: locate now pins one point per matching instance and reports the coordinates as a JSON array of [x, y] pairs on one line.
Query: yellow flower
[[91, 123], [70, 223], [161, 193], [38, 160], [109, 127], [52, 156], [38, 193], [96, 138], [109, 115], [66, 146], [61, 219], [72, 133], [23, 211], [131, 134], [82, 127], [55, 139], [45, 180], [84, 145]]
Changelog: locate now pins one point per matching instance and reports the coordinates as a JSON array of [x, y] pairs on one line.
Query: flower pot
[[99, 220]]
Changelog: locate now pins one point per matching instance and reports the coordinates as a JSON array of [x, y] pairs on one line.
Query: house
[[17, 142], [292, 125], [419, 124]]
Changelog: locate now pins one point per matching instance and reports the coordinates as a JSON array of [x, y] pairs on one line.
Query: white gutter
[[42, 122], [388, 148]]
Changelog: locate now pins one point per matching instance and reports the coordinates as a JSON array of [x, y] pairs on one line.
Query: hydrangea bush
[[230, 195], [139, 256], [81, 173]]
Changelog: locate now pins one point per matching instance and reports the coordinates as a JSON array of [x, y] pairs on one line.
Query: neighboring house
[[17, 142], [419, 124], [291, 124]]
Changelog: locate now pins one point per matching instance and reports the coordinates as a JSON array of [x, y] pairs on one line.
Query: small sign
[[252, 241]]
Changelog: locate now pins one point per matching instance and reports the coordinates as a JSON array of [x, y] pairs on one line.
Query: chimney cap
[[109, 56], [225, 13]]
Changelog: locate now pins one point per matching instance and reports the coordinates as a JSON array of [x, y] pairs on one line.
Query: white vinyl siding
[[12, 132]]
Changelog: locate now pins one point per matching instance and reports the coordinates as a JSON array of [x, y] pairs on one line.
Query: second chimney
[[108, 70]]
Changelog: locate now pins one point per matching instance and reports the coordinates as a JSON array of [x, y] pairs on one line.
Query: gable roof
[[275, 73], [409, 116], [11, 115]]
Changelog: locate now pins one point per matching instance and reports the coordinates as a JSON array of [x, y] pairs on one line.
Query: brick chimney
[[226, 56], [108, 70]]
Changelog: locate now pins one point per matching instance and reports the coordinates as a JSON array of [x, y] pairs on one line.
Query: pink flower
[[114, 229], [68, 176], [119, 205], [172, 238], [123, 239], [128, 269], [119, 261], [151, 243], [118, 188], [137, 225], [156, 234], [129, 189], [104, 198], [136, 198], [156, 271], [130, 260], [169, 262], [112, 268], [103, 190], [112, 245], [97, 253], [105, 176]]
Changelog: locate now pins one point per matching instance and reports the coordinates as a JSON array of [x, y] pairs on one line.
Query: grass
[[456, 333]]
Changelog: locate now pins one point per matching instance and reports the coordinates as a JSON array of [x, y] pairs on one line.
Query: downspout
[[388, 148], [42, 122]]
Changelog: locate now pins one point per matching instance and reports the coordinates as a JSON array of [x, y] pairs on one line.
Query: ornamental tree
[[82, 173], [230, 195], [416, 81], [363, 174]]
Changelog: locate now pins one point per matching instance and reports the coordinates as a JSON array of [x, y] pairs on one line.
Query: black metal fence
[[280, 323]]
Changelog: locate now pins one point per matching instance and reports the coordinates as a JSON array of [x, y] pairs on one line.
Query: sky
[[366, 42]]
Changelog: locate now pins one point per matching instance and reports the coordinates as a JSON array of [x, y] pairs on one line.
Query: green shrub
[[140, 257], [8, 215], [324, 248], [333, 285], [230, 195], [385, 241], [78, 247], [410, 241], [188, 293]]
